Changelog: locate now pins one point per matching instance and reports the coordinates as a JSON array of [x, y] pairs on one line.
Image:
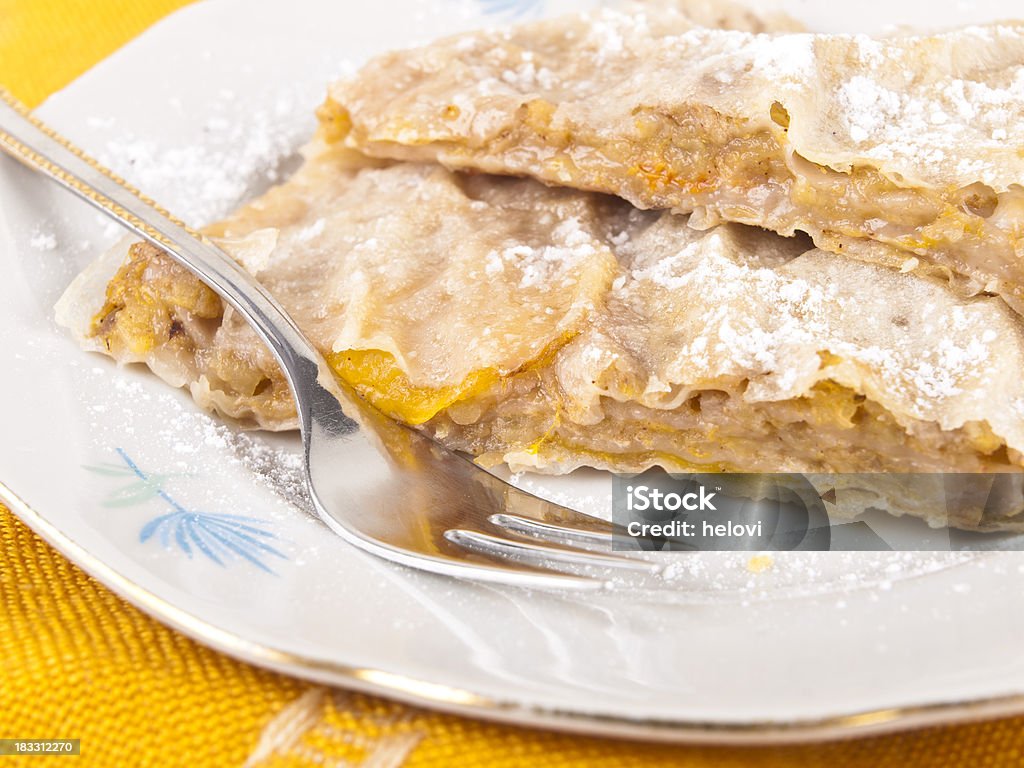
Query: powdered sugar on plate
[[241, 157], [43, 240], [233, 150]]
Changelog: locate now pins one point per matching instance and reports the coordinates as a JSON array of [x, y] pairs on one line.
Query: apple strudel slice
[[915, 142], [551, 329]]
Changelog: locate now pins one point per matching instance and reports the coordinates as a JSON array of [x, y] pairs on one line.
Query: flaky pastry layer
[[914, 142]]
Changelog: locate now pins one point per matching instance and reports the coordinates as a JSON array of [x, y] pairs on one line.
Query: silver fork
[[412, 501]]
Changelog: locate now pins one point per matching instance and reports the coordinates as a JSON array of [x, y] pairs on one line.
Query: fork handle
[[36, 145]]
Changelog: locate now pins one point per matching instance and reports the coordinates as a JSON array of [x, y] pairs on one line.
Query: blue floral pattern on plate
[[511, 8], [222, 538]]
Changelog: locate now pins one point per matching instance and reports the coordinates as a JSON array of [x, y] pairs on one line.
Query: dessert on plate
[[549, 328]]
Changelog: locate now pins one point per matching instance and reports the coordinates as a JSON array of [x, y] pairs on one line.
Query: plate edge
[[441, 697]]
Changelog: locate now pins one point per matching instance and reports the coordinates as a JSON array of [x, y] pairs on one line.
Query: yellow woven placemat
[[78, 662]]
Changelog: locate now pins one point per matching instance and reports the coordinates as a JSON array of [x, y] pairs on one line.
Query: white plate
[[199, 112]]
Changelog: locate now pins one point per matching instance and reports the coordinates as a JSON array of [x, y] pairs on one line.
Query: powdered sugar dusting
[[553, 264], [920, 121], [527, 75], [43, 241], [230, 147], [785, 56], [907, 338], [220, 174], [867, 106]]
